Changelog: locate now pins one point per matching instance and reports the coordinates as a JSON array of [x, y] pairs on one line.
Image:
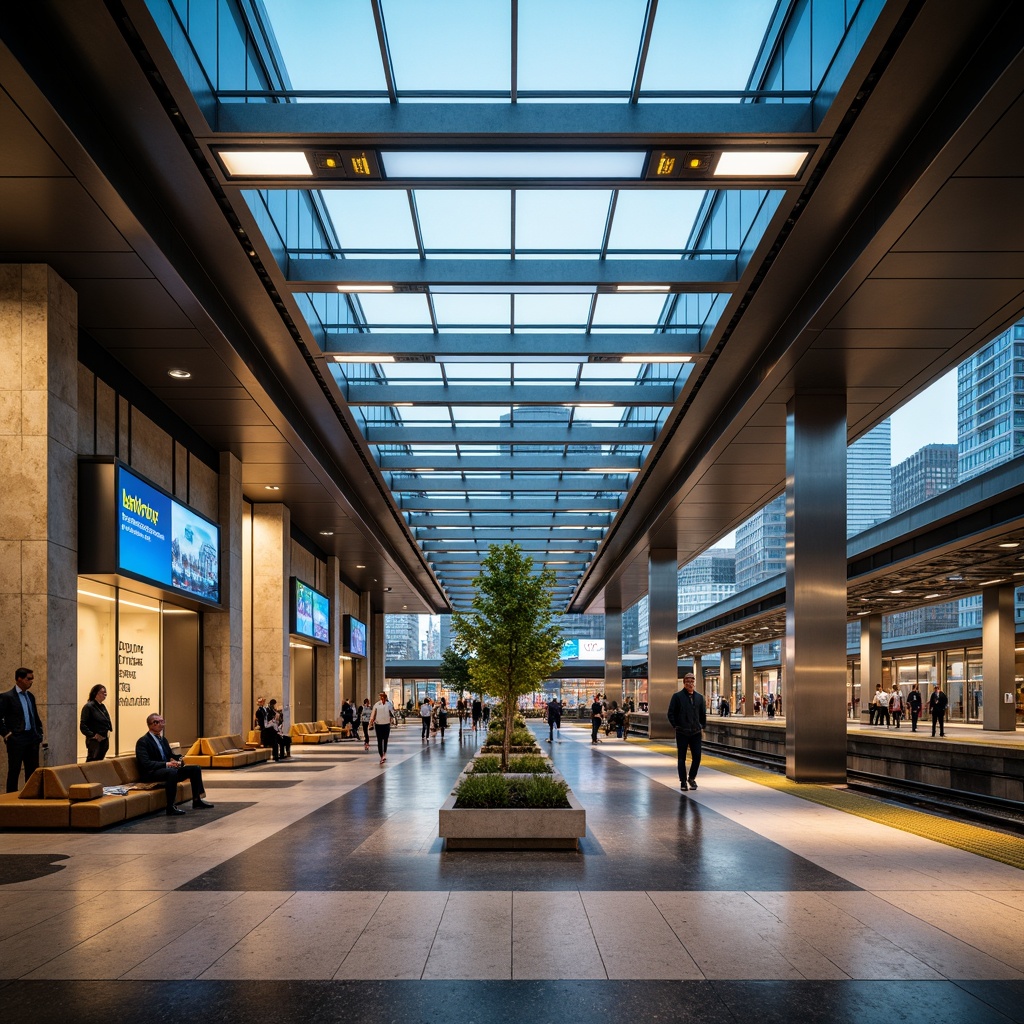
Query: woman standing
[[365, 713], [95, 724], [442, 717], [426, 710], [381, 718]]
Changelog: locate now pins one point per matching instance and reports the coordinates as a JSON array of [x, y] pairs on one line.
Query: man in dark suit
[[158, 764], [21, 727], [689, 717]]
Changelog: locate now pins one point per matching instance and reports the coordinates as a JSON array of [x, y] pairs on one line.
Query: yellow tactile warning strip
[[960, 835]]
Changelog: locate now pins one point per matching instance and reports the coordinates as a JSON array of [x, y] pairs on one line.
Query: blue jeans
[[692, 742]]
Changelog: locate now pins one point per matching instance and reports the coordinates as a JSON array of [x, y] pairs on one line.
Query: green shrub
[[486, 765], [539, 791], [486, 791], [529, 764]]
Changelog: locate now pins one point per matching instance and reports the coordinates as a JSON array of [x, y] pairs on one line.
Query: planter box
[[472, 828], [513, 751]]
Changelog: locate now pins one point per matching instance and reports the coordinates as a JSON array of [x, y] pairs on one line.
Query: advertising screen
[[312, 612], [161, 540], [354, 637]]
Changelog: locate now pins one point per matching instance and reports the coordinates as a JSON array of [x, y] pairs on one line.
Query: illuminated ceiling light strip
[[656, 359], [760, 163], [613, 469], [366, 289], [266, 163], [988, 583], [358, 357], [642, 287], [518, 164]]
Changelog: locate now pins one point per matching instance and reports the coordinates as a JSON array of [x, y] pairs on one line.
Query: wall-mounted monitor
[[130, 527], [353, 636], [310, 612]]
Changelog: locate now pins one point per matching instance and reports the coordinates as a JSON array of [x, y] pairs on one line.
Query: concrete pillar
[[613, 653], [271, 568], [361, 666], [222, 631], [38, 516], [375, 648], [747, 678], [870, 661], [997, 660], [815, 691], [663, 638], [328, 659]]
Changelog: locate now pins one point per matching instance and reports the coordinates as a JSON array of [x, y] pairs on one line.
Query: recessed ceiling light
[[760, 163], [360, 566], [642, 287], [1011, 544], [656, 359], [326, 533], [271, 487], [895, 591], [266, 163], [569, 164], [354, 357], [366, 289], [179, 374], [988, 583], [928, 597], [612, 469]]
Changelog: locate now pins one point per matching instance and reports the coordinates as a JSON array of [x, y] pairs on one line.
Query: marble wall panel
[[181, 472], [203, 488], [106, 420], [86, 411], [151, 450]]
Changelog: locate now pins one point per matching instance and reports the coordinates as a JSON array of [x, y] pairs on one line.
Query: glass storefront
[[146, 653]]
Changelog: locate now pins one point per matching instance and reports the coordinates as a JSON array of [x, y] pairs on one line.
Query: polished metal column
[[613, 652], [698, 673], [870, 661], [747, 677], [663, 638], [815, 693], [725, 674], [999, 710]]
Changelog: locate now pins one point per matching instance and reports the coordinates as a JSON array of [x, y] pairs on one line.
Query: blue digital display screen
[[161, 540], [312, 613], [354, 640]]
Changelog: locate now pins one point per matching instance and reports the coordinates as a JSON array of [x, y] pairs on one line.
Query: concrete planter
[[473, 828]]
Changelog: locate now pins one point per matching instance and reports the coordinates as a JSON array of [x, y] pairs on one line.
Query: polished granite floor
[[331, 898]]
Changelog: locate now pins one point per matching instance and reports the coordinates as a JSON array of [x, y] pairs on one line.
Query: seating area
[[313, 732], [73, 796], [226, 752]]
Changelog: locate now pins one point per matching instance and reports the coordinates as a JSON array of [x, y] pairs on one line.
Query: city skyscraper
[[705, 581], [929, 471]]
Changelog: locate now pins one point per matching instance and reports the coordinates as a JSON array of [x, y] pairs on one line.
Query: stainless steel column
[[663, 638], [747, 678], [815, 691], [698, 673], [725, 675], [998, 691], [870, 661], [613, 653]]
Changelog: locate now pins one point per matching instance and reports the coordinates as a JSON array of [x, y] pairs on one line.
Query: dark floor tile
[[160, 824], [23, 867], [1007, 997]]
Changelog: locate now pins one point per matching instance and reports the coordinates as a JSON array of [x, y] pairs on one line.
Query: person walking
[[938, 702], [596, 715], [382, 717], [365, 713], [914, 704], [478, 713], [553, 716], [21, 727], [426, 708], [442, 717], [896, 706], [688, 715], [95, 724]]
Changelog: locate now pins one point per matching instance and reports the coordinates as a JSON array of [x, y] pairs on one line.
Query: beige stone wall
[[271, 567]]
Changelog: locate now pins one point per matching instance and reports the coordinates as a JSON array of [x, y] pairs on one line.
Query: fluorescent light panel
[[760, 163], [365, 289], [266, 163], [354, 357], [642, 288], [657, 359], [514, 164]]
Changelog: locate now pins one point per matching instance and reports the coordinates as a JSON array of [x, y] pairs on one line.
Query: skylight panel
[[579, 45], [371, 219], [415, 373], [396, 310], [561, 373], [331, 46], [650, 220], [546, 312], [702, 46], [478, 310], [491, 373], [560, 220], [629, 312], [464, 219], [457, 45]]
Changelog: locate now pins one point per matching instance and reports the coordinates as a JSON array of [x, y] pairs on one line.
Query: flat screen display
[[311, 612], [353, 636], [161, 540]]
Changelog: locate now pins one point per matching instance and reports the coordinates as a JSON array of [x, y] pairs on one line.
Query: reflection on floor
[[332, 899]]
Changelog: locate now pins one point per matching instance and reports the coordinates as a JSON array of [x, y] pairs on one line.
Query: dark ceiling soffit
[[514, 126], [679, 275], [889, 184]]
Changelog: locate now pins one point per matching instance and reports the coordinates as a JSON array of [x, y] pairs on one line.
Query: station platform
[[319, 890]]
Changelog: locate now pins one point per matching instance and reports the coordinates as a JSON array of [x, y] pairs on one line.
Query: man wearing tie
[[158, 764], [21, 727]]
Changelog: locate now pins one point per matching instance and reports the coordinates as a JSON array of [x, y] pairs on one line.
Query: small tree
[[509, 635], [455, 670]]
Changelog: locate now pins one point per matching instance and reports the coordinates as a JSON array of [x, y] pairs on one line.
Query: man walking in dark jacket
[[688, 715], [937, 704]]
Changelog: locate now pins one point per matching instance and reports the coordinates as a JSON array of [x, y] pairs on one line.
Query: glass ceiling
[[507, 389]]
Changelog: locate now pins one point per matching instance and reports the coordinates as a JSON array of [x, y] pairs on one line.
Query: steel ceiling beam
[[530, 546], [518, 461], [510, 518], [589, 483], [497, 534], [487, 393], [500, 506], [557, 433]]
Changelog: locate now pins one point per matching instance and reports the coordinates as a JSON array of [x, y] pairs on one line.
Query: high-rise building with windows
[[761, 544], [401, 638], [929, 471], [869, 479], [706, 580]]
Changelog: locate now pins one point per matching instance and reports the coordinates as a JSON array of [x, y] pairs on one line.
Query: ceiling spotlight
[[326, 533], [265, 163], [360, 566], [271, 487], [1011, 545], [179, 374], [895, 591], [928, 597]]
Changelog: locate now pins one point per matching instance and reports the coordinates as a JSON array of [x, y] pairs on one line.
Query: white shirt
[[882, 697], [383, 711]]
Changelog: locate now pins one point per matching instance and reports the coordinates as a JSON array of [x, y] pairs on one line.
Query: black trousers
[[913, 720], [170, 777], [269, 738], [692, 742], [595, 724], [96, 749], [938, 719], [383, 732], [22, 752], [424, 728]]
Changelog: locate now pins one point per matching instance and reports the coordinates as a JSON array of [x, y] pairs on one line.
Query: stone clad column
[[271, 568], [222, 631], [997, 667], [815, 679], [375, 654], [328, 659], [613, 653], [663, 638], [38, 499]]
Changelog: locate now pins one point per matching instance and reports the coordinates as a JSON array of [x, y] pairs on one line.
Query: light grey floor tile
[[474, 940], [552, 937]]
